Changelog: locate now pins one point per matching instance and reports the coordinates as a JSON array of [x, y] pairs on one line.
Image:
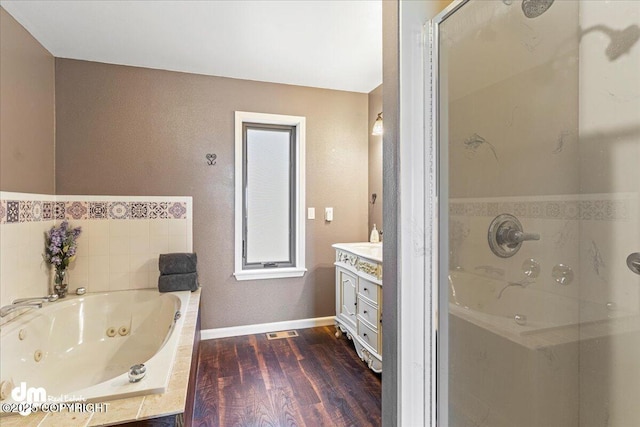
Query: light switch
[[311, 213], [328, 214]]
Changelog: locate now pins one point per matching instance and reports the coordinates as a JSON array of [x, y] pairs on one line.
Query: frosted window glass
[[268, 201]]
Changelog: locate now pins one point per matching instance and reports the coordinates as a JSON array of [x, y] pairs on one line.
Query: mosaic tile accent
[[98, 210], [47, 211], [139, 210], [119, 210], [76, 210], [178, 210], [475, 209], [58, 210], [13, 211], [598, 210], [25, 211], [158, 210], [36, 210]]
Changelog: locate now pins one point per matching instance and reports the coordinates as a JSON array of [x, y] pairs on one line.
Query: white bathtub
[[79, 360], [474, 298]]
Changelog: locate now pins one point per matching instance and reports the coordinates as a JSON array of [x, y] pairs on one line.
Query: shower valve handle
[[513, 236]]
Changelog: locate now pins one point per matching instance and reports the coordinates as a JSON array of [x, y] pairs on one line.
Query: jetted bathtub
[[82, 347]]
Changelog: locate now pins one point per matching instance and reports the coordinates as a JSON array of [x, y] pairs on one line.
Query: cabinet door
[[347, 283]]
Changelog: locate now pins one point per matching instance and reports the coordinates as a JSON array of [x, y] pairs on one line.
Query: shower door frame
[[439, 174]]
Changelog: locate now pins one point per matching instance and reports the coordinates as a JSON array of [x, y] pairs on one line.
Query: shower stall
[[537, 131]]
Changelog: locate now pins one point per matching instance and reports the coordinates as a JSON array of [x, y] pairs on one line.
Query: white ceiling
[[335, 44]]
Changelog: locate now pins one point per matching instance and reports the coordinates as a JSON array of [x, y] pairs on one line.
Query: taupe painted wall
[[375, 160], [27, 115], [134, 131]]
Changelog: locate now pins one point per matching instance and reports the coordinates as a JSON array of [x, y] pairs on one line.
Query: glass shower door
[[538, 123]]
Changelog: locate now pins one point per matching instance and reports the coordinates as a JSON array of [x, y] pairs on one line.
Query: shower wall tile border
[[25, 207], [597, 207]]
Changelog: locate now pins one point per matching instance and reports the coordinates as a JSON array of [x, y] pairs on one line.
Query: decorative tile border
[[598, 210], [16, 211], [13, 211]]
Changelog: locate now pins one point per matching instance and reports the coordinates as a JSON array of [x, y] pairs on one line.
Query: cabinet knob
[[365, 312], [366, 289]]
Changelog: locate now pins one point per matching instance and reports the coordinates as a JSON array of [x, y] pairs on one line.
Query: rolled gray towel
[[177, 263], [178, 282]]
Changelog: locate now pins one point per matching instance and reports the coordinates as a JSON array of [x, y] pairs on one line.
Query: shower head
[[535, 8], [621, 40]]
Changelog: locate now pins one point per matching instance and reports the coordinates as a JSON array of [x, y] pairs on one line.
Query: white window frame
[[274, 119]]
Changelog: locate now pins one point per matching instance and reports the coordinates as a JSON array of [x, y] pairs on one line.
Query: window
[[269, 229]]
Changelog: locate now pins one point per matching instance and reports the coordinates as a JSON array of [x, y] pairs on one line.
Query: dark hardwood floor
[[312, 380]]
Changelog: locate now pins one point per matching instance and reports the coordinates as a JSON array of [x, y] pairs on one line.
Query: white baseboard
[[235, 331]]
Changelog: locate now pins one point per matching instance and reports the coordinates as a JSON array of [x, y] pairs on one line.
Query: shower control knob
[[633, 262], [506, 235]]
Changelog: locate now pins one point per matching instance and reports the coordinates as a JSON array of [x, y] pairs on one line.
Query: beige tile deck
[[120, 410], [66, 418], [20, 421]]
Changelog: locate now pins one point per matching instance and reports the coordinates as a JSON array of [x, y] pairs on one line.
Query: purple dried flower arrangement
[[59, 251]]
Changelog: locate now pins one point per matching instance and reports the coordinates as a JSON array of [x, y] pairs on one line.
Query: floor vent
[[281, 334]]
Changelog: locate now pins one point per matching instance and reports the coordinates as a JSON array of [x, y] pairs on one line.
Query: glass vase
[[60, 283]]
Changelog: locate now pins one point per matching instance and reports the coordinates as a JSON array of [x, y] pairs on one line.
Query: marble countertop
[[173, 401], [372, 251]]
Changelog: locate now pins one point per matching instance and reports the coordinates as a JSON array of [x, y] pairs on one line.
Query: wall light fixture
[[377, 126]]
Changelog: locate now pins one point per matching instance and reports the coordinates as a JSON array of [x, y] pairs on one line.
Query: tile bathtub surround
[[118, 248]]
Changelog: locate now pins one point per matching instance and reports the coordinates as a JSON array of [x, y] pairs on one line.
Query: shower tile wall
[[118, 248]]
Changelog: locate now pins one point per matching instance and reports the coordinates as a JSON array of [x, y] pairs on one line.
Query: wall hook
[[211, 159]]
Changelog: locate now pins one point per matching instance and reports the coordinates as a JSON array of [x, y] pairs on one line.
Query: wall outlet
[[328, 214]]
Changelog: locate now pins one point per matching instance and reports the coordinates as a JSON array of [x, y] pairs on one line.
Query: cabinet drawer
[[368, 335], [368, 289], [369, 313]]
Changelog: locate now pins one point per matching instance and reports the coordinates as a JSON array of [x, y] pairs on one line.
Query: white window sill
[[269, 273]]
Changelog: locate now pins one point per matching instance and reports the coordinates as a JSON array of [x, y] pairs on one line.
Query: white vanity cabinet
[[359, 298]]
